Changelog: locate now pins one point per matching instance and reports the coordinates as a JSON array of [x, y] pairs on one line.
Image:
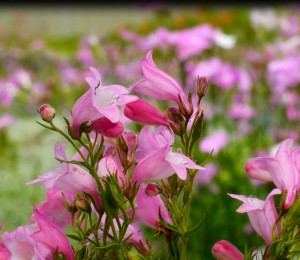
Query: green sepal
[[167, 225]]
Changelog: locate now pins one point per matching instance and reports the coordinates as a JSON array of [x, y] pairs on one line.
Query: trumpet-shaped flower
[[262, 214], [161, 162], [67, 177], [99, 101], [157, 84], [283, 169]]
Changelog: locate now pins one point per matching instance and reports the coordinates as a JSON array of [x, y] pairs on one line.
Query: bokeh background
[[251, 56]]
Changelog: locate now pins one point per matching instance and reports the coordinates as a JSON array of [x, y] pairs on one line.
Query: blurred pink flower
[[6, 120], [215, 140], [241, 111], [283, 73]]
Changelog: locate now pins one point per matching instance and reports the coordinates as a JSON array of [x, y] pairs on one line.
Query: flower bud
[[46, 112], [83, 205], [152, 189], [174, 114], [144, 113], [224, 250]]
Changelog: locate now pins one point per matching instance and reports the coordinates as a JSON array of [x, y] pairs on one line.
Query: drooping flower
[[148, 207], [262, 214]]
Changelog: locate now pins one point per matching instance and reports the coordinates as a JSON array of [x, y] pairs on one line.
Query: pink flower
[[283, 169], [107, 128], [216, 140], [142, 112], [156, 83], [162, 162], [54, 208], [67, 177], [224, 250], [20, 245], [6, 120], [262, 214], [4, 253], [108, 166], [147, 208], [241, 111], [98, 102], [51, 236]]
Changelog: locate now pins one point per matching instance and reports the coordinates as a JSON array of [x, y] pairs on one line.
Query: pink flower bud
[[107, 128], [152, 189], [47, 112], [224, 250], [142, 112], [83, 205]]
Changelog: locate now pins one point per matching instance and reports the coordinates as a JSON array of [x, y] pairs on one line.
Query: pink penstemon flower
[[98, 102], [262, 214], [148, 207], [161, 162], [283, 169], [157, 84]]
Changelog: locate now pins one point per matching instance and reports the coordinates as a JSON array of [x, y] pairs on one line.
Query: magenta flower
[[142, 112], [224, 250], [107, 128], [262, 214], [156, 83], [283, 169], [161, 162]]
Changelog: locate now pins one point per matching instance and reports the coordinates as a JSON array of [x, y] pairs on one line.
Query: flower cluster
[[118, 180]]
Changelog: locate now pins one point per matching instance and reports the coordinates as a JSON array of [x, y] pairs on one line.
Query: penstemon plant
[[118, 180]]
